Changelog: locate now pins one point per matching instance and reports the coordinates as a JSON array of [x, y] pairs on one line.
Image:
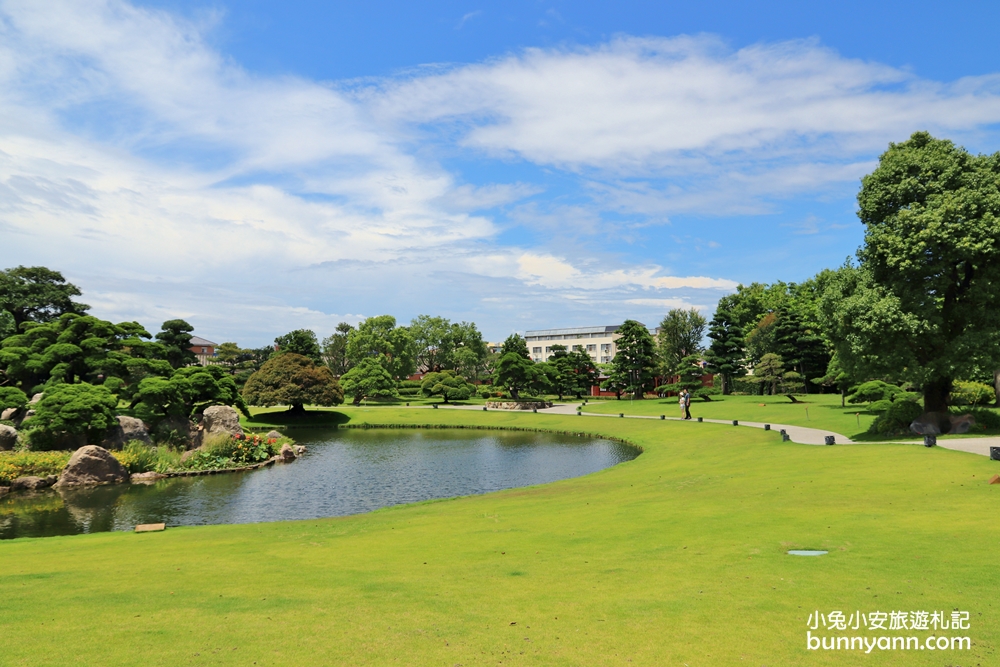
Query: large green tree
[[725, 355], [634, 364], [449, 385], [294, 380], [679, 336], [515, 371], [380, 337], [335, 349], [369, 379], [37, 294], [186, 391], [923, 305], [575, 372], [300, 341]]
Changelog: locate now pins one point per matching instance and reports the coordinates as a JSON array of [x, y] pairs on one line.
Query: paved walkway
[[800, 434]]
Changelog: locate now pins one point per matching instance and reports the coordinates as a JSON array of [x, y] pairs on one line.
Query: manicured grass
[[675, 558], [824, 411]]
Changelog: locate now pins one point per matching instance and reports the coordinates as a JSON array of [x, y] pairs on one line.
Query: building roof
[[573, 331], [198, 341]]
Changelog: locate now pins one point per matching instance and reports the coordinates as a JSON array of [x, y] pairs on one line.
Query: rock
[[273, 435], [286, 454], [9, 414], [221, 419], [92, 465], [37, 397], [189, 454], [940, 423], [300, 449], [31, 483], [146, 477], [8, 437], [29, 413], [128, 429], [4, 490], [518, 405]]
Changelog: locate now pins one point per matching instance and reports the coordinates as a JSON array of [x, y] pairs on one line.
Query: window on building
[[605, 347], [536, 350], [591, 348]]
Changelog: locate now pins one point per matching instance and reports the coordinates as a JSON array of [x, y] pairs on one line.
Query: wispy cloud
[[466, 18]]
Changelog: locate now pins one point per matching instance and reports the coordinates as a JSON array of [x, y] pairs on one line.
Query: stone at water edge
[[31, 483], [300, 449], [995, 479], [273, 435], [221, 419], [146, 477], [92, 465], [287, 453], [8, 437]]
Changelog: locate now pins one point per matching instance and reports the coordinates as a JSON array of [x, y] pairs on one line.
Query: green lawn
[[675, 558], [821, 411]]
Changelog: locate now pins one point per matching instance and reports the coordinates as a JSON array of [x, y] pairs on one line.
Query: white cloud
[[556, 273], [667, 303]]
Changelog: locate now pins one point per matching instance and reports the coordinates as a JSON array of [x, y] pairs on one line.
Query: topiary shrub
[[12, 397], [72, 413], [878, 407], [896, 419], [874, 390]]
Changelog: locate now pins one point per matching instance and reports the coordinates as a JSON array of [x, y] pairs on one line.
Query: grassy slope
[[674, 558]]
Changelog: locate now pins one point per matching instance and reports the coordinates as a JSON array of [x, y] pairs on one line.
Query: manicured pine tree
[[725, 355]]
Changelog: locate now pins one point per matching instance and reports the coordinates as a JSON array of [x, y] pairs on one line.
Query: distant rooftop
[[572, 331], [198, 341]]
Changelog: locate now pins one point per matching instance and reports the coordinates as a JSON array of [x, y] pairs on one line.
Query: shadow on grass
[[288, 419]]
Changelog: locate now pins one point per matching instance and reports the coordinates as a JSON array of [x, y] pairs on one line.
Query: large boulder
[[287, 454], [221, 419], [273, 435], [37, 397], [128, 429], [9, 414], [8, 437], [92, 465]]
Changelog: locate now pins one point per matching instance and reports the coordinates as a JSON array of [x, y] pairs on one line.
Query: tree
[[294, 380], [228, 354], [724, 356], [447, 384], [187, 391], [37, 294], [680, 335], [801, 348], [837, 377], [379, 337], [768, 371], [760, 339], [300, 341], [689, 373], [75, 348], [335, 349], [369, 379], [82, 410], [175, 337], [923, 304], [515, 371], [574, 372], [635, 359]]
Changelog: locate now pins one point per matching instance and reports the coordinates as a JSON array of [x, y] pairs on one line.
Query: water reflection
[[343, 472]]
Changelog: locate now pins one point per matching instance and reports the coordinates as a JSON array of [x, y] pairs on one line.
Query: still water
[[343, 472]]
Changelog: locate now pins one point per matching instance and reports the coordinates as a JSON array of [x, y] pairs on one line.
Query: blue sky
[[258, 166]]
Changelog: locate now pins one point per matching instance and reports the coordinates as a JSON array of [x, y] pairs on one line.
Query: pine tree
[[725, 355]]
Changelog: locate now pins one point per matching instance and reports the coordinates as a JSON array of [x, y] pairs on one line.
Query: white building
[[598, 342]]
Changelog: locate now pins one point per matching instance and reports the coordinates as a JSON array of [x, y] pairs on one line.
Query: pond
[[345, 471]]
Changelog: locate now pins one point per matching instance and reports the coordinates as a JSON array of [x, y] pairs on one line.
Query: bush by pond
[[22, 464]]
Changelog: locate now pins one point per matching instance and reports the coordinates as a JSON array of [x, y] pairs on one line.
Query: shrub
[[972, 393], [12, 397], [409, 391], [878, 407], [137, 456], [72, 409], [20, 464], [896, 419], [874, 390], [409, 384], [221, 450]]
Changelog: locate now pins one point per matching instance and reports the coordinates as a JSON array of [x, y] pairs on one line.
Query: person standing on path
[[687, 404], [682, 403]]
